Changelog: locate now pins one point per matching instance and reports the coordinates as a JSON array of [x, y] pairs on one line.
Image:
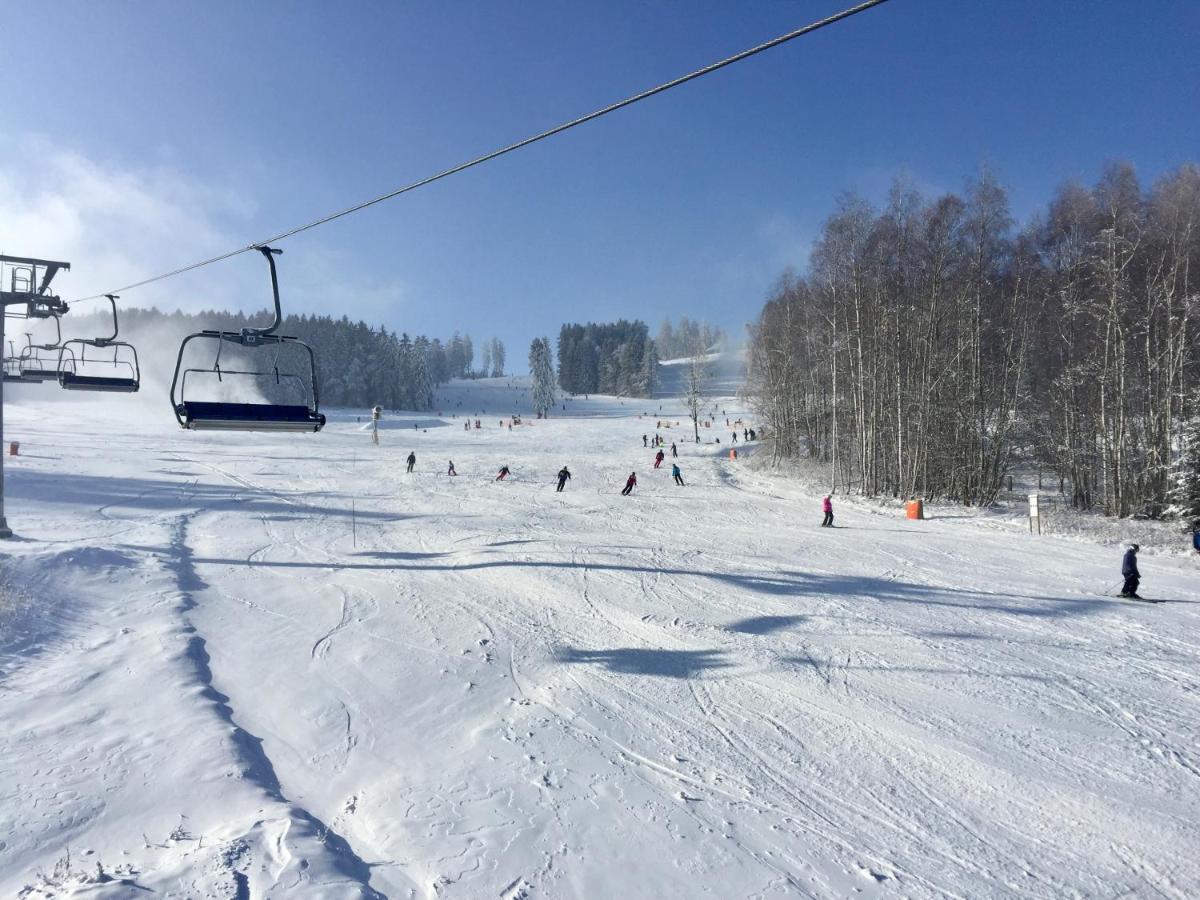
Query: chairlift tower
[[24, 282]]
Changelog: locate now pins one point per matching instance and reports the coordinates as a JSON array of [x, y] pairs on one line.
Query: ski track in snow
[[277, 667]]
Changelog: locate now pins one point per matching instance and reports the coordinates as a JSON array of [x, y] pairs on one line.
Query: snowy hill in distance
[[254, 665]]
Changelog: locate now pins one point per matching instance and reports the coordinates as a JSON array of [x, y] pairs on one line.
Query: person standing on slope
[[827, 508], [676, 474], [451, 471], [412, 461], [645, 441], [503, 473], [630, 484], [563, 477], [658, 458], [1129, 569], [674, 450]]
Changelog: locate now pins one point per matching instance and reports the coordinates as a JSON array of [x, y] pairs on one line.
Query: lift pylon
[[24, 281]]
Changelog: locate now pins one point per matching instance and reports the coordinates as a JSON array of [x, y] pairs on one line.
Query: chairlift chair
[[31, 366], [12, 367], [78, 373], [218, 415]]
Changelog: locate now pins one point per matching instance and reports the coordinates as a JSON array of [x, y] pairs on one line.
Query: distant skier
[[658, 458], [745, 434], [503, 473], [676, 474], [645, 441], [827, 508], [734, 437], [630, 484], [1129, 569], [451, 471], [412, 461], [563, 477], [674, 451]]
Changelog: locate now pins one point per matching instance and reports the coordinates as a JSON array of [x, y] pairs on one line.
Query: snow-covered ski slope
[[266, 666]]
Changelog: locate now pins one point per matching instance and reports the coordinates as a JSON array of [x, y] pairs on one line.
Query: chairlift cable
[[613, 107]]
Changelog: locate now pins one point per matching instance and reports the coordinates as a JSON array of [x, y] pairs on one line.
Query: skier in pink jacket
[[827, 508]]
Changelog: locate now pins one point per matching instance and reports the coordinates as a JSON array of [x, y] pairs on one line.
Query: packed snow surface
[[279, 666]]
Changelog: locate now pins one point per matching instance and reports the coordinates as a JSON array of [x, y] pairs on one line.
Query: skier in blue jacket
[[1129, 569]]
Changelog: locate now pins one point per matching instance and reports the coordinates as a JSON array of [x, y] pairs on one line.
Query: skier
[[658, 458], [412, 461], [827, 508], [1129, 569], [563, 476], [745, 435], [676, 474], [630, 484], [674, 451], [451, 471], [503, 473], [734, 437], [645, 441]]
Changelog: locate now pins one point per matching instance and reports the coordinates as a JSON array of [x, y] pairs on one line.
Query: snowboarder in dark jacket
[[675, 473], [630, 484], [412, 461], [563, 476], [1129, 569]]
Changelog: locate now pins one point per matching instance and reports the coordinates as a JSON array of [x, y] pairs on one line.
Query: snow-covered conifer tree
[[541, 368]]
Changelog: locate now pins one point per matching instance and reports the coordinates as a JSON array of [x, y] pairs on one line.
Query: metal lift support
[[24, 287]]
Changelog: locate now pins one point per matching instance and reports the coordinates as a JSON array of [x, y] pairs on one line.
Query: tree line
[[677, 342], [931, 347], [612, 358]]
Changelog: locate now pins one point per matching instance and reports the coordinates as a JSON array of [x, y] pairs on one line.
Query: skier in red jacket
[[827, 508], [630, 484], [658, 458]]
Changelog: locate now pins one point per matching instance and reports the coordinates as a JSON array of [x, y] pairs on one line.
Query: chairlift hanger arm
[[270, 253], [57, 345], [105, 341]]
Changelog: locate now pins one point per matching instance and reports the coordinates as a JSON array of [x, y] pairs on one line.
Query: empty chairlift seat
[[118, 374], [216, 413]]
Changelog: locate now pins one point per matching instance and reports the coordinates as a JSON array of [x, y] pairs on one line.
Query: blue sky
[[140, 136]]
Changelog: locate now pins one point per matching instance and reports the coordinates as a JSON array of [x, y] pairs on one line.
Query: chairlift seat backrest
[[72, 382], [39, 374], [206, 415]]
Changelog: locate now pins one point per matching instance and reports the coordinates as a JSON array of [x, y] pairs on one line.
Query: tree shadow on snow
[[649, 661], [783, 582], [764, 624], [106, 492]]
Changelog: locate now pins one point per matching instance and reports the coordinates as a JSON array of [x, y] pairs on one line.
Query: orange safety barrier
[[915, 509], [13, 448]]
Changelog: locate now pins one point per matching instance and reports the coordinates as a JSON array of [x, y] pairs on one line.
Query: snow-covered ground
[[270, 666]]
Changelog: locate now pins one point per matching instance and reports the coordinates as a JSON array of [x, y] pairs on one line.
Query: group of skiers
[[564, 474], [1129, 565]]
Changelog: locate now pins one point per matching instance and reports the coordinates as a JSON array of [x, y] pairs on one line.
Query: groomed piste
[[278, 665]]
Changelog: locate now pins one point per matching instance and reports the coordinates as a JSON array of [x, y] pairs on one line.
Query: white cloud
[[119, 225]]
